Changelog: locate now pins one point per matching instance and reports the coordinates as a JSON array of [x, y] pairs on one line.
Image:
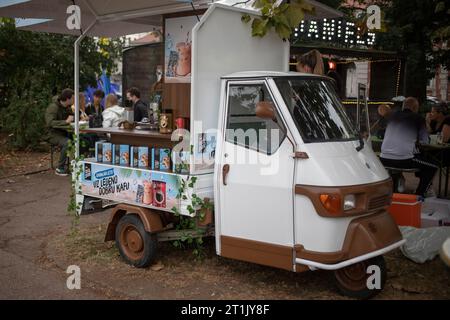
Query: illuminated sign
[[334, 30]]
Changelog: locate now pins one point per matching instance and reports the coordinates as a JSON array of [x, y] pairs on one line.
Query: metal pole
[[77, 87]]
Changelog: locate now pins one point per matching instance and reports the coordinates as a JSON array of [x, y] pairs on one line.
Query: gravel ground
[[38, 243]]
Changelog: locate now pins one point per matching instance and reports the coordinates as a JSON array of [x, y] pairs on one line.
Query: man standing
[[139, 107], [405, 130], [57, 117]]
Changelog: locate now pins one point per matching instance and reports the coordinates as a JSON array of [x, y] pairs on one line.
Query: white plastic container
[[435, 213]]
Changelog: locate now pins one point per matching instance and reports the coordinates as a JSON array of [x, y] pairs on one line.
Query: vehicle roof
[[270, 74]]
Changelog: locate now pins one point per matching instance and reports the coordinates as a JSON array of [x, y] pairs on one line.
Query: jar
[[165, 122]]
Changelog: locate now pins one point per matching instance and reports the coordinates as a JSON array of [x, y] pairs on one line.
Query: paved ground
[[37, 244]]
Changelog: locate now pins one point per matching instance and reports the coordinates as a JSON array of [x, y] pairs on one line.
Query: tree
[[417, 28], [283, 18], [34, 66]]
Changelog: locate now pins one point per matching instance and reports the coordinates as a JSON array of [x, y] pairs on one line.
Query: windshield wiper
[[361, 143]]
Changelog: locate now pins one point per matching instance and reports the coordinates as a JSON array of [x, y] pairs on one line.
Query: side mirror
[[265, 110]]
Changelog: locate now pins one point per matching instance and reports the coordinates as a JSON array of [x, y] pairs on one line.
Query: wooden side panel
[[267, 254], [177, 96]]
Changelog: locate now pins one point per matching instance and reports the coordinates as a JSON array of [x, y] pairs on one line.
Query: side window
[[244, 128]]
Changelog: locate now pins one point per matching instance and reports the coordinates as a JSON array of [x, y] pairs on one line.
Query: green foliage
[[417, 29], [77, 170], [193, 234], [282, 18], [23, 117], [35, 65]]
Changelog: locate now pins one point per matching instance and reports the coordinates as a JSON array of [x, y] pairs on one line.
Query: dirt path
[[37, 246]]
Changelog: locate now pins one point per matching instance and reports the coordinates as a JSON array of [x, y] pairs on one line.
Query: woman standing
[[311, 62]]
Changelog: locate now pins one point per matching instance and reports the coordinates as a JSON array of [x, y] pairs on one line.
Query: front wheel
[[353, 281], [136, 246]]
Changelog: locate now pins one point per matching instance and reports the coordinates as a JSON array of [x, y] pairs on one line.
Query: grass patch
[[88, 245]]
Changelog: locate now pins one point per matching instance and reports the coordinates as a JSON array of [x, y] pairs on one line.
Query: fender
[[150, 218]]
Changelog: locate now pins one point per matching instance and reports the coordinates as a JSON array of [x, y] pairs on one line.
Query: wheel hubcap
[[132, 242], [353, 277]]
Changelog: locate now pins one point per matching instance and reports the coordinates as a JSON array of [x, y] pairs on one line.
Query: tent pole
[[77, 87]]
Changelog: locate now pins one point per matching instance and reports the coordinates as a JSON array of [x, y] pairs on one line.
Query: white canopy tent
[[111, 18]]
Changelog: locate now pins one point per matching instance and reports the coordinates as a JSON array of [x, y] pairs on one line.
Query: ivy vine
[[191, 232], [73, 207]]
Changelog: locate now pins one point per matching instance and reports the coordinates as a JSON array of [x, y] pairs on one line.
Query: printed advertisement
[[178, 35], [130, 185]]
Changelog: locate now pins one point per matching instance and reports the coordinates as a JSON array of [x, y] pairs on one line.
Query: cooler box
[[406, 209]]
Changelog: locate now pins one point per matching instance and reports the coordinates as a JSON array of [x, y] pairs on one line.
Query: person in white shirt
[[113, 114]]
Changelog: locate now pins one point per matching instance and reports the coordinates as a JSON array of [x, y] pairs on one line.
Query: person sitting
[[82, 103], [57, 117], [139, 107], [379, 127], [405, 129], [438, 122], [94, 110], [113, 114]]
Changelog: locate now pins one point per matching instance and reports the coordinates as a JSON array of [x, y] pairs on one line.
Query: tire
[[136, 246], [352, 280]]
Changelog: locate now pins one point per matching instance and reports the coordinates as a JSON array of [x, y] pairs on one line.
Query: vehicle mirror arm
[[361, 143]]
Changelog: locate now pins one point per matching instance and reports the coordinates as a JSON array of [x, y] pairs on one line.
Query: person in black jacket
[[140, 108], [94, 110]]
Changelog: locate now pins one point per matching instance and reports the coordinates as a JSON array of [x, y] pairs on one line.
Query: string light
[[398, 77]]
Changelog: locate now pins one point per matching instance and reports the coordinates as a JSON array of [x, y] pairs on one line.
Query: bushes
[[33, 66], [24, 118]]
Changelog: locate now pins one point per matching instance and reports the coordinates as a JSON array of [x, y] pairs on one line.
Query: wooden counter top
[[132, 133], [136, 137]]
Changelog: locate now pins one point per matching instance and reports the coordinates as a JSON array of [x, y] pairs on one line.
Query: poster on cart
[[130, 185], [178, 36]]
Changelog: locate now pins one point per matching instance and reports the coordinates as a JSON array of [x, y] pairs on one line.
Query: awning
[[114, 17], [110, 18]]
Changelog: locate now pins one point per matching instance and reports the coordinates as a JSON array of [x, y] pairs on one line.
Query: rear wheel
[[136, 246], [352, 280]]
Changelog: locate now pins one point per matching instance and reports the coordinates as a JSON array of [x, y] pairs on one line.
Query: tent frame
[[99, 19]]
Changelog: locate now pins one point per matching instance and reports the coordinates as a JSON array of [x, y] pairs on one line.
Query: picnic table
[[440, 153]]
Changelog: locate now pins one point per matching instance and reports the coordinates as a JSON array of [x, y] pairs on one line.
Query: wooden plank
[[177, 97]]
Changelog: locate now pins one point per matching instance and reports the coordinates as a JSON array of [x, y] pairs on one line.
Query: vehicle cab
[[296, 187]]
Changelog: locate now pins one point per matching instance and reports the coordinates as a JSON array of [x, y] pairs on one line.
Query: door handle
[[225, 171]]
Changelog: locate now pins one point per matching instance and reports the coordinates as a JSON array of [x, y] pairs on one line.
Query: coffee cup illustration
[[108, 156], [148, 193], [144, 160], [159, 194], [166, 162], [184, 59], [125, 157]]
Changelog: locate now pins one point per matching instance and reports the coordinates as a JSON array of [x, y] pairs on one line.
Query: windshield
[[316, 109]]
